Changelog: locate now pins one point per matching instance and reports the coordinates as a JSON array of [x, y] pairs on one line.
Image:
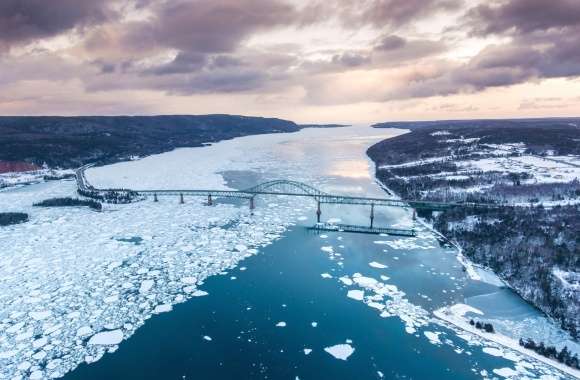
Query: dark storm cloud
[[212, 26], [393, 13], [350, 59], [523, 16], [543, 44], [184, 62], [23, 21], [391, 42]]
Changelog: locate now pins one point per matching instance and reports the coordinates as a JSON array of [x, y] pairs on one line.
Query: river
[[302, 305]]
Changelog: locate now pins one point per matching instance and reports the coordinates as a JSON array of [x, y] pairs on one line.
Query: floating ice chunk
[[334, 220], [345, 280], [325, 275], [493, 351], [84, 331], [40, 315], [39, 355], [374, 264], [14, 328], [208, 338], [189, 280], [376, 305], [241, 248], [302, 218], [281, 324], [40, 342], [24, 366], [340, 351], [108, 338], [199, 293], [327, 249], [356, 294], [433, 337], [365, 282], [146, 286], [385, 278], [163, 309], [36, 375], [7, 354], [323, 236], [307, 351], [505, 372], [314, 324]]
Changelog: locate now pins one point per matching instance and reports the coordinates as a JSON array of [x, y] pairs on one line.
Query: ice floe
[[340, 351], [374, 264], [108, 338]]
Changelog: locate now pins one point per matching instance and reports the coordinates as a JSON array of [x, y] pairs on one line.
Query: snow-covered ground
[[504, 346], [542, 170], [30, 177]]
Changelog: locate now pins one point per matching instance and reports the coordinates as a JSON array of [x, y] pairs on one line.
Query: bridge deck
[[288, 188], [363, 229]]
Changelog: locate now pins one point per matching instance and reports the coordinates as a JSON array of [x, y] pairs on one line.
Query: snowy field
[[23, 178]]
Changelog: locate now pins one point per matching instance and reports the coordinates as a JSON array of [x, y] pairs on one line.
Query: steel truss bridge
[[286, 188]]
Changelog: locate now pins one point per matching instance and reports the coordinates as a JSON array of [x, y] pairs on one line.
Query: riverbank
[[527, 246]]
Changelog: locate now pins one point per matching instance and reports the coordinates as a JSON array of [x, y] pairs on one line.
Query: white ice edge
[[445, 314]]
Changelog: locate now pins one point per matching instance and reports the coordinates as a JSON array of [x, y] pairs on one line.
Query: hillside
[[533, 165], [69, 142]]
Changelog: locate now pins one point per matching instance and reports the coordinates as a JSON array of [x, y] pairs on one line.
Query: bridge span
[[285, 188]]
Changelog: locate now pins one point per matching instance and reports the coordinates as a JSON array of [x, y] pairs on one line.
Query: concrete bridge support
[[209, 200], [372, 214], [181, 200], [318, 212], [155, 198], [252, 206]]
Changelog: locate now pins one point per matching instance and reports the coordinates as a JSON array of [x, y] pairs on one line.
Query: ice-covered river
[[169, 291]]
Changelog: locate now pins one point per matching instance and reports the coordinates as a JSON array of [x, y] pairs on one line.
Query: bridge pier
[[209, 200], [181, 200], [372, 214], [155, 198], [252, 206], [318, 212], [414, 214]]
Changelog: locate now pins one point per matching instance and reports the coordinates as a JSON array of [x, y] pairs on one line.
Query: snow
[[495, 342], [108, 338], [162, 309], [543, 170], [570, 280], [67, 270], [340, 351], [40, 315], [433, 337], [356, 294], [505, 372]]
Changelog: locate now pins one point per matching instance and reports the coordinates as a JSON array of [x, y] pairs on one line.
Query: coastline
[[444, 315]]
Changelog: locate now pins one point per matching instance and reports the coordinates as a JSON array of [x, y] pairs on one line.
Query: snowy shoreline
[[454, 315]]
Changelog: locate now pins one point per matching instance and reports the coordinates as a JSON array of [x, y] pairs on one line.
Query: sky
[[319, 61]]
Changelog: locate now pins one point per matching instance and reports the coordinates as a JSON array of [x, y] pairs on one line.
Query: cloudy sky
[[308, 61]]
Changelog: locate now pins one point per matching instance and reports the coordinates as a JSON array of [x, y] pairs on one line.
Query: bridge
[[291, 189]]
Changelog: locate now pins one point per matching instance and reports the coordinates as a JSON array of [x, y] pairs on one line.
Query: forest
[[533, 240]]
